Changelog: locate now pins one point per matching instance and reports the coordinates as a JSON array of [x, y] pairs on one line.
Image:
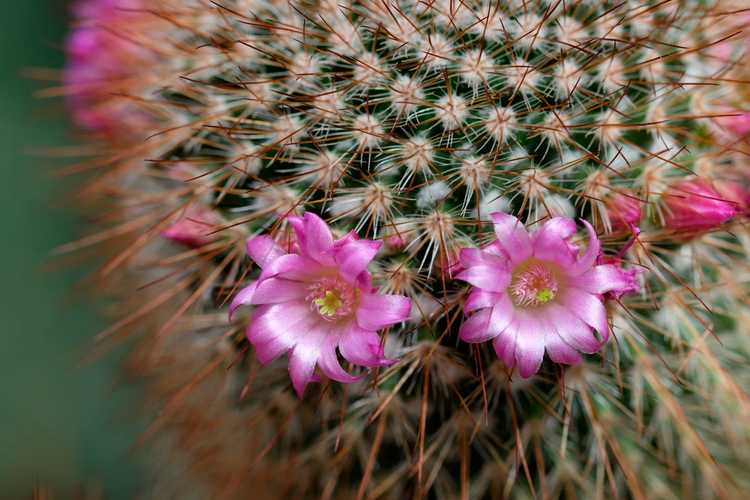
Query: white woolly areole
[[432, 194]]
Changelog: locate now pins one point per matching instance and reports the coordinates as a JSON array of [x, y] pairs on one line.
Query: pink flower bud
[[194, 227], [734, 191], [694, 205], [624, 210], [395, 242]]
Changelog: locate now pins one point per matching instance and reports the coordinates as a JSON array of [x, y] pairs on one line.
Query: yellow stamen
[[329, 304], [545, 295]]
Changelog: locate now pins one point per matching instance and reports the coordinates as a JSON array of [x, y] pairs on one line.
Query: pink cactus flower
[[317, 299], [194, 227], [534, 292], [624, 211], [694, 205]]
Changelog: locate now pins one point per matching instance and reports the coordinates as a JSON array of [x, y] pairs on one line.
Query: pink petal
[[292, 267], [489, 278], [592, 253], [476, 327], [329, 364], [243, 297], [529, 344], [551, 241], [362, 347], [558, 350], [479, 299], [505, 344], [377, 311], [263, 250], [301, 367], [589, 308], [314, 237], [503, 313], [277, 290], [288, 321], [268, 351], [571, 329], [512, 236], [475, 257], [604, 278], [494, 248], [354, 256]]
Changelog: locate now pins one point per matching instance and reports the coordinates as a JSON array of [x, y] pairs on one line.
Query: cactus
[[427, 127]]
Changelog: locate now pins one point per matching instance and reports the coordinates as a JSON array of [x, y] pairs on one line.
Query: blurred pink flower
[[100, 58], [534, 292], [194, 227], [694, 205], [315, 299]]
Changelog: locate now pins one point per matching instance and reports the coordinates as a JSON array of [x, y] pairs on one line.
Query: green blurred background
[[62, 426]]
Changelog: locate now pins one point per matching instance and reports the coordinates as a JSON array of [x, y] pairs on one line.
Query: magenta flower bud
[[694, 205], [624, 210], [194, 227], [536, 292], [316, 300], [395, 241], [734, 191]]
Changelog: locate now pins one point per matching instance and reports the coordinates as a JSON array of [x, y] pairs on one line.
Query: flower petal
[[551, 241], [243, 297], [587, 260], [277, 290], [558, 350], [476, 327], [605, 278], [302, 361], [529, 344], [589, 308], [572, 329], [472, 257], [354, 256], [268, 351], [314, 237], [505, 344], [362, 347], [329, 364], [263, 250], [377, 311], [288, 321], [292, 267], [512, 236], [479, 299], [485, 277], [503, 313]]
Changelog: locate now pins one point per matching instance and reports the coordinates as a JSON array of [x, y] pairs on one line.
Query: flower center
[[333, 298], [534, 286], [329, 304]]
